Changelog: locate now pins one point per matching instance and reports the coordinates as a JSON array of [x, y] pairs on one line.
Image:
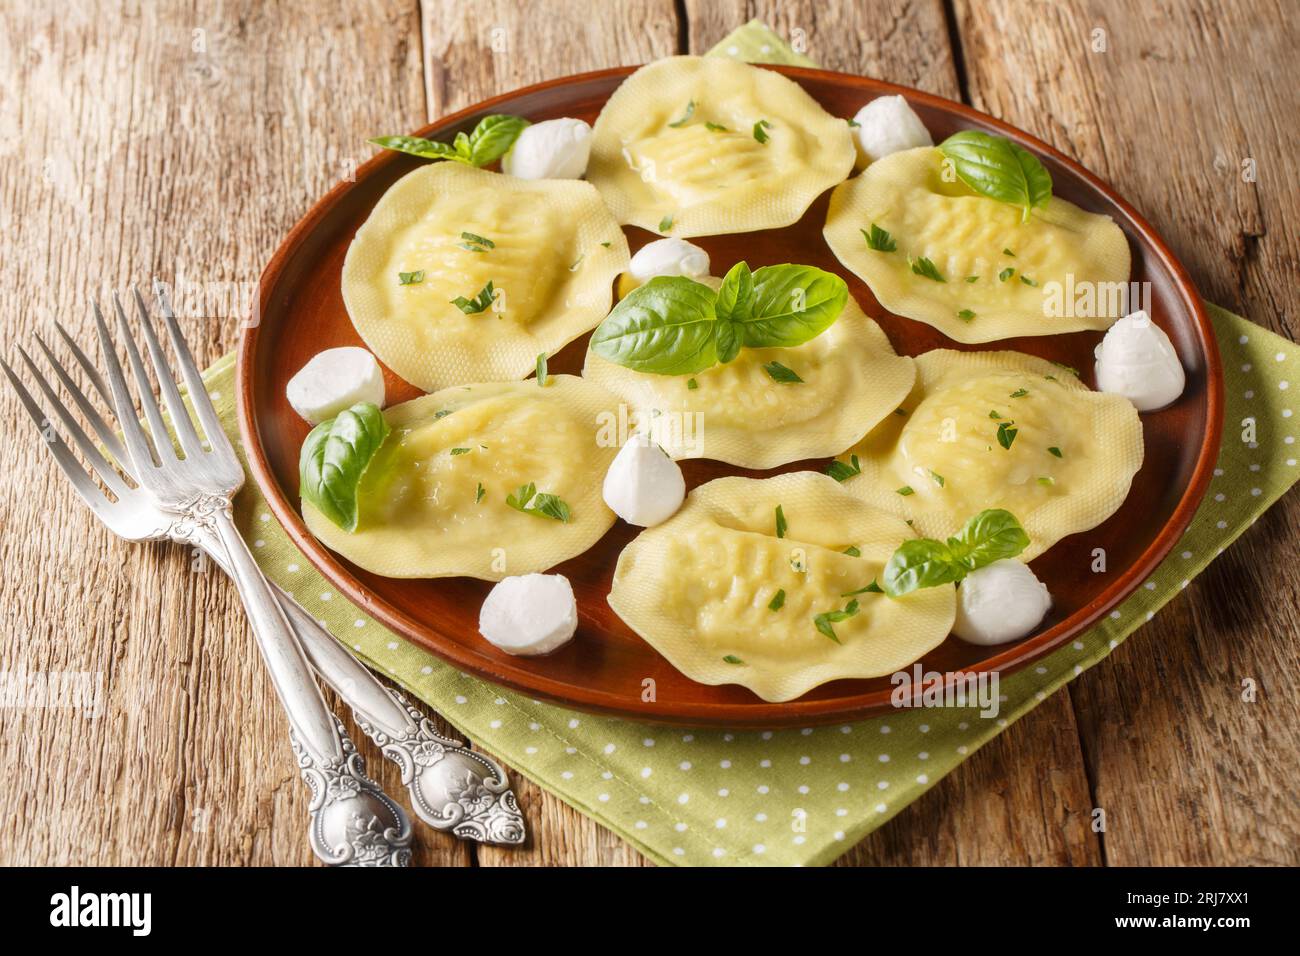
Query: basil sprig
[[925, 563], [998, 168], [335, 456], [673, 325], [490, 140]]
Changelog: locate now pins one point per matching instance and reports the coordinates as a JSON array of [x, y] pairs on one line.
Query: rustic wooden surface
[[142, 140]]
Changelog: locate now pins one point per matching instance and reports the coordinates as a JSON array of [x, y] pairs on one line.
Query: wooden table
[[142, 140]]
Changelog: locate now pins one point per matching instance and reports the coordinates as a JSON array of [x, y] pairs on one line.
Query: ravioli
[[739, 414], [680, 148], [552, 251], [1072, 456], [1064, 270], [703, 587], [432, 502]]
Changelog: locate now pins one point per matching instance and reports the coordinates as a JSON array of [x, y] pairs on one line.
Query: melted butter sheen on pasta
[[946, 454], [420, 511], [675, 149], [699, 587], [968, 235], [549, 267], [738, 414]]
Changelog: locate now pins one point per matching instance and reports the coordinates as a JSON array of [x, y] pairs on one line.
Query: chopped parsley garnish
[[666, 223], [732, 659], [872, 588], [441, 413], [541, 368], [965, 315], [477, 304], [778, 601], [825, 622], [716, 128], [900, 411], [476, 243], [844, 470], [1006, 274], [410, 278], [460, 451], [1028, 281], [577, 262], [527, 499], [692, 384], [1020, 393], [852, 551], [972, 278], [479, 493], [760, 131], [938, 478], [906, 490], [1055, 451], [781, 525], [924, 267], [1046, 481], [1069, 368], [780, 373], [1007, 434], [994, 415], [1008, 252], [686, 117], [879, 239]]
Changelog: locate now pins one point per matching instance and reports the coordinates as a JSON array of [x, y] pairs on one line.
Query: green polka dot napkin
[[798, 796]]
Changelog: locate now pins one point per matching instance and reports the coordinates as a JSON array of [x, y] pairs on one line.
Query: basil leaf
[[493, 137], [736, 294], [919, 563], [726, 340], [665, 327], [424, 148], [998, 168], [335, 456], [791, 305], [989, 536]]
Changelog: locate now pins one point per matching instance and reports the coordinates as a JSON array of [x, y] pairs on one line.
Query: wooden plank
[[153, 140], [1183, 95], [902, 41], [476, 50]]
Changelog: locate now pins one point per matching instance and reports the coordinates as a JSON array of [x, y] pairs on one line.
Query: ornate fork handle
[[353, 822], [452, 788]]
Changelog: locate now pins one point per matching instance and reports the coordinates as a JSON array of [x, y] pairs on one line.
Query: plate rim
[[759, 714]]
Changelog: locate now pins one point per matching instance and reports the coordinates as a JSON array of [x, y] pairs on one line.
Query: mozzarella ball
[[1137, 360], [668, 257], [334, 380], [643, 485], [1000, 602], [529, 614], [551, 149], [888, 125]]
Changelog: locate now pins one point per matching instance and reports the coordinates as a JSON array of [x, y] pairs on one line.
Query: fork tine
[[194, 386], [67, 462], [86, 364], [162, 439], [180, 415], [103, 467], [88, 410], [137, 443]]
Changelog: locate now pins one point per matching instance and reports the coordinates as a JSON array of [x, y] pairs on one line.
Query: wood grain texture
[[199, 140], [1182, 96], [202, 137]]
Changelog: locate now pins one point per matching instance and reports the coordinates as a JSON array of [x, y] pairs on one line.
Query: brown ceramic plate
[[604, 668]]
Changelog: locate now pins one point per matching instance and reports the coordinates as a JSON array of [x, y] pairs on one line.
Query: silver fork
[[451, 787]]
